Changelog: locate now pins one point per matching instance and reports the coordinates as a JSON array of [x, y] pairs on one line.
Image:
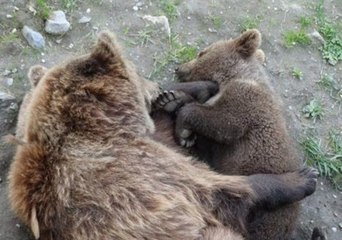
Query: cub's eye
[[201, 53]]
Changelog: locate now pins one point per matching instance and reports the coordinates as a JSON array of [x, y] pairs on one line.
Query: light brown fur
[[89, 170]]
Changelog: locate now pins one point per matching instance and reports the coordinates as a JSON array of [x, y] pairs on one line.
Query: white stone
[[34, 39], [57, 23], [84, 19], [135, 8], [164, 21]]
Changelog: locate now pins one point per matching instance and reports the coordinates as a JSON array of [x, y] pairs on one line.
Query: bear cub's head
[[225, 59]]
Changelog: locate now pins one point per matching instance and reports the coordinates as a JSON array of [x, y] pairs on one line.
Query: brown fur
[[241, 130], [89, 169]]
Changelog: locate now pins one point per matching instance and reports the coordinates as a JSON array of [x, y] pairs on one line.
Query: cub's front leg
[[213, 122]]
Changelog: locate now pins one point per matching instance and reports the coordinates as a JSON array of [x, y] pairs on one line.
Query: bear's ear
[[36, 73], [248, 43], [106, 50]]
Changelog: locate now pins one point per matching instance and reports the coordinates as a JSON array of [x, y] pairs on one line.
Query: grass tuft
[[169, 7], [314, 110], [297, 73], [327, 159], [292, 38], [217, 21], [43, 9], [250, 23], [332, 47], [305, 22]]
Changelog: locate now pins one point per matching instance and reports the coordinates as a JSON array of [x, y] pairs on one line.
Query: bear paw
[[186, 138], [171, 101], [310, 176]]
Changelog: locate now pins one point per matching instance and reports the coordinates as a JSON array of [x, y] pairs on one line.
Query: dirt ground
[[194, 25]]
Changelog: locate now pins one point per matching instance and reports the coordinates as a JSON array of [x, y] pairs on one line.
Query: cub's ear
[[36, 73], [248, 43], [107, 50]]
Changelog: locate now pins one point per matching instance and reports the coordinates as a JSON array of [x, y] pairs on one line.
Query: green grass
[[297, 73], [292, 38], [250, 23], [69, 4], [144, 36], [327, 159], [177, 53], [327, 81], [305, 22], [43, 9], [169, 7], [217, 21], [314, 110], [8, 38], [332, 47]]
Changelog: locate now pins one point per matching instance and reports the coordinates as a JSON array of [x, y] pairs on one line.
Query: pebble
[[8, 81], [334, 229], [16, 8], [135, 8], [88, 10], [9, 16], [0, 180], [57, 23], [162, 20], [334, 196], [335, 214], [340, 225], [189, 18], [17, 225], [318, 36], [84, 19], [43, 60], [6, 73], [34, 39]]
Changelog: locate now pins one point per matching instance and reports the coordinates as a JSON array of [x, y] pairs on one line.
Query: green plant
[[250, 23], [327, 159], [292, 38], [305, 21], [332, 47], [169, 7], [177, 53], [297, 73], [69, 4], [217, 21], [43, 9], [327, 81], [144, 36], [8, 38], [314, 110]]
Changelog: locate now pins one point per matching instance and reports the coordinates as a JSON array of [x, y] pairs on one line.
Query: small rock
[[135, 8], [43, 60], [334, 196], [0, 180], [189, 18], [17, 225], [34, 39], [334, 229], [58, 41], [340, 225], [84, 19], [88, 10], [164, 21], [335, 214], [212, 30], [14, 70], [6, 73], [71, 46], [57, 23], [139, 4], [15, 8], [8, 82], [14, 30], [315, 34], [9, 16]]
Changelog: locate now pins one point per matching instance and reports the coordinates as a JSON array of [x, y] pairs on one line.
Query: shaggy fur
[[89, 169], [241, 130]]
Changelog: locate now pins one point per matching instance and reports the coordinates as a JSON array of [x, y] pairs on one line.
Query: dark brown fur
[[241, 130], [88, 168]]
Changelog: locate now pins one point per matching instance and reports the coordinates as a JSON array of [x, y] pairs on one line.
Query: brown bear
[[89, 169], [241, 130]]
